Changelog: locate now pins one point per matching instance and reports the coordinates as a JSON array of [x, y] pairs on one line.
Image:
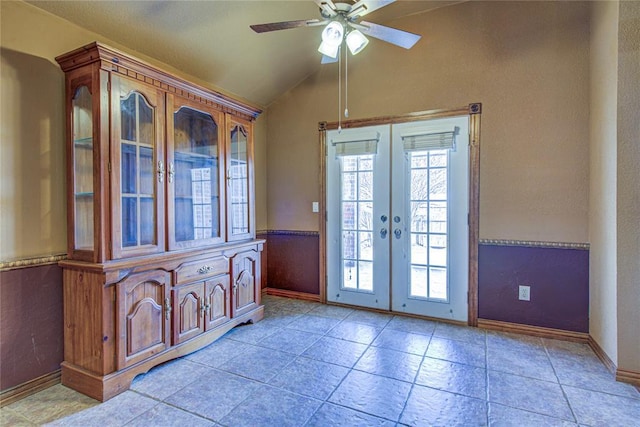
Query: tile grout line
[[564, 394]]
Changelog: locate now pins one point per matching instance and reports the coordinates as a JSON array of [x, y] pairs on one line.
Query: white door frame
[[474, 112]]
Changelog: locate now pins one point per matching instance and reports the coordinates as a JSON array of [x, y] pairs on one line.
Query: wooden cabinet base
[[105, 387]]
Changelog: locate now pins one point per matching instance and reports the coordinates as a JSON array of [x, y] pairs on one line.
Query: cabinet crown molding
[[113, 60]]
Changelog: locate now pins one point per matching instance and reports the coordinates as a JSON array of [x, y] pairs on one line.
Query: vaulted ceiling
[[211, 40]]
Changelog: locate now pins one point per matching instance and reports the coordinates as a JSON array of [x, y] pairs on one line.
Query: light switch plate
[[315, 207]]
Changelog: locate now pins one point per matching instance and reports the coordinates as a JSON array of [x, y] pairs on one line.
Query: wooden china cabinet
[[162, 255]]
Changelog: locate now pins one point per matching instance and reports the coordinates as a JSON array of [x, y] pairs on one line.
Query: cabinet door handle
[[171, 172], [207, 303], [167, 308], [203, 308], [160, 171]]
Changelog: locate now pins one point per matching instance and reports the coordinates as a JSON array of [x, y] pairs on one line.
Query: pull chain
[[346, 84], [339, 92]]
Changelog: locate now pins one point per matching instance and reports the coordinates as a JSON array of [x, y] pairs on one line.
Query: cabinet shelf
[[184, 156], [84, 195]]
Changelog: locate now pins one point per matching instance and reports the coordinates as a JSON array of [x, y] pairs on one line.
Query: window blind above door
[[356, 144], [429, 140]]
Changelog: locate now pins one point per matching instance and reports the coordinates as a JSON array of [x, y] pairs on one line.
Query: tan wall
[[32, 181], [602, 197], [628, 178], [528, 63], [260, 160]]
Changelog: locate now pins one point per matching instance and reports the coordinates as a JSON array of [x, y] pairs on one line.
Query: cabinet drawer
[[192, 271]]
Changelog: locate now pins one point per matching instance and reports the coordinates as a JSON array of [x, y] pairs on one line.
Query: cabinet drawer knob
[[205, 269]]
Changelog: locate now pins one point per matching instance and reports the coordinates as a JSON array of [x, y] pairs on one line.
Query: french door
[[397, 217]]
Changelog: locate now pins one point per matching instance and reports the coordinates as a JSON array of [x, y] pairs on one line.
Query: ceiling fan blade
[[327, 7], [363, 7], [275, 26], [390, 35]]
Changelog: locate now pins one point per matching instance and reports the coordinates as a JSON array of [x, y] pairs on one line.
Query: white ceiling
[[211, 40]]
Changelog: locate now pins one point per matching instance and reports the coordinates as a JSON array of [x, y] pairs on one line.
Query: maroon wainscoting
[[293, 261], [559, 280], [31, 335]]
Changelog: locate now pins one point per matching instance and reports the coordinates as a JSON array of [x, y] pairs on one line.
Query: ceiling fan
[[342, 20]]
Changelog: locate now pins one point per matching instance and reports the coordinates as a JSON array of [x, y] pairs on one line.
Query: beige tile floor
[[308, 364]]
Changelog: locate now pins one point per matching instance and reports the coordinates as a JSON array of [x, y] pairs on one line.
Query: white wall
[[628, 186], [603, 322]]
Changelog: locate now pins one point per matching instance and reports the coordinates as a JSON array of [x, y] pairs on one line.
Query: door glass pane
[[365, 276], [83, 168], [418, 281], [366, 245], [356, 207], [128, 118], [138, 171], [146, 171], [349, 186], [438, 249], [428, 175], [145, 123], [129, 160], [349, 215], [146, 221], [196, 176], [438, 283], [419, 243], [239, 181], [129, 221], [350, 274]]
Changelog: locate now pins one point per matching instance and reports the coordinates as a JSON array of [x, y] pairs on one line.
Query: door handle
[[383, 233], [397, 232], [383, 218]]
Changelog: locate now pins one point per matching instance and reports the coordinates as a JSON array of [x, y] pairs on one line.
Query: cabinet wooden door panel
[[240, 180], [218, 301], [195, 165], [139, 170], [189, 311], [143, 324], [246, 276]]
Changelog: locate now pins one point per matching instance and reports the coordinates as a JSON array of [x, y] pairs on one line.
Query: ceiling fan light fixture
[[356, 42], [329, 50], [333, 33], [332, 36]]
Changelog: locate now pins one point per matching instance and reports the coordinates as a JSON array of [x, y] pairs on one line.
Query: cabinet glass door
[[140, 171], [83, 197], [194, 178], [239, 182]]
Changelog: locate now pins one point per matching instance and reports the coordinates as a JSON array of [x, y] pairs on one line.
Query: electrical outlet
[[524, 293]]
